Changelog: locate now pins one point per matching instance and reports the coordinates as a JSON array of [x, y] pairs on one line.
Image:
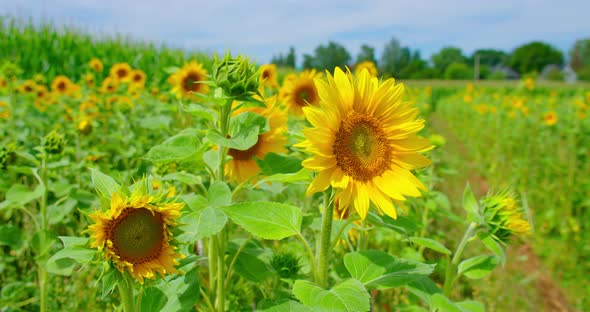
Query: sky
[[264, 28]]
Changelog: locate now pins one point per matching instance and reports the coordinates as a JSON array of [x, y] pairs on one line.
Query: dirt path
[[522, 261]]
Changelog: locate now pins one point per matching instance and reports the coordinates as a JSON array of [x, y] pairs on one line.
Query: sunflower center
[[265, 74], [237, 154], [137, 78], [361, 147], [190, 82], [137, 235], [305, 95], [122, 73], [61, 86]]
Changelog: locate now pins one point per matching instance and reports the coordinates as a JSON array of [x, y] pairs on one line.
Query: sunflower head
[[364, 142], [550, 118], [4, 110], [96, 65], [236, 76], [39, 78], [62, 85], [121, 72], [84, 126], [503, 216], [299, 91], [135, 233], [189, 80], [42, 93], [138, 78], [89, 79], [529, 83], [368, 65], [3, 83], [109, 85], [268, 75], [28, 87]]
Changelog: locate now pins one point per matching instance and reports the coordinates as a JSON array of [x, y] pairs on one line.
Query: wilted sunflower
[[368, 65], [109, 85], [28, 87], [268, 75], [364, 142], [299, 91], [242, 166], [4, 110], [135, 234], [189, 80], [550, 118], [138, 78], [96, 65], [62, 85], [121, 72]]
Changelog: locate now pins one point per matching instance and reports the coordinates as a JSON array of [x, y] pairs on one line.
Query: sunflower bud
[[503, 216], [236, 76], [437, 140], [84, 126], [285, 264], [54, 142], [7, 156]]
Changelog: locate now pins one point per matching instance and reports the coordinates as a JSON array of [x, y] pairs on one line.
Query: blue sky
[[263, 28]]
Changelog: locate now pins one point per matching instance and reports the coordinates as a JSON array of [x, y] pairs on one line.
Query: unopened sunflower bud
[[285, 264], [503, 216], [7, 156], [236, 76], [54, 142], [84, 126], [437, 140]]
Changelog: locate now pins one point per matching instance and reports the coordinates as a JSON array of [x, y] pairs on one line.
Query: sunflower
[[189, 80], [299, 91], [550, 118], [370, 66], [109, 85], [39, 78], [364, 142], [96, 65], [4, 110], [138, 78], [242, 166], [135, 234], [503, 216], [42, 93], [89, 80], [62, 85], [3, 83], [121, 72], [28, 87], [268, 75]]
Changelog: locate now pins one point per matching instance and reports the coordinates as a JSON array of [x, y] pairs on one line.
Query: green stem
[[42, 179], [126, 292], [325, 239], [212, 264], [310, 255], [363, 237], [224, 117], [230, 269], [450, 275], [220, 272]]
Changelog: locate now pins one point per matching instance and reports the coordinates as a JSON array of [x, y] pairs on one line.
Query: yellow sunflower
[[138, 78], [89, 79], [4, 110], [28, 87], [368, 65], [299, 91], [96, 65], [268, 75], [189, 80], [550, 118], [135, 234], [364, 142], [109, 85], [3, 83], [42, 93], [121, 72], [62, 85], [242, 167]]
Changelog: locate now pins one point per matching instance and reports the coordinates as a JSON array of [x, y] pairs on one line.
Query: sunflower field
[[136, 178]]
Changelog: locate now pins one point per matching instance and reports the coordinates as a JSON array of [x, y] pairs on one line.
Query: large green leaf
[[301, 176], [19, 195], [185, 145], [202, 223], [275, 164], [153, 300], [11, 236], [244, 131], [493, 245], [266, 220], [478, 267], [249, 263], [104, 184], [440, 303], [74, 252], [380, 270], [431, 244], [284, 305], [350, 295]]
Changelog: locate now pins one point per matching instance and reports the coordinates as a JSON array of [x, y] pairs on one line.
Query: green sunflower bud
[[236, 76], [285, 264], [54, 142], [437, 140], [503, 216], [84, 126], [7, 155]]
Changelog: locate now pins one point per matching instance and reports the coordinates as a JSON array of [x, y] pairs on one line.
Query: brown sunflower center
[[137, 78], [190, 82], [137, 235], [61, 86], [361, 147], [237, 154], [266, 74], [305, 94], [122, 73]]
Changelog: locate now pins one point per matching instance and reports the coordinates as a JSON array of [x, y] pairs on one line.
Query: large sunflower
[[299, 91], [242, 166], [364, 142], [135, 234], [121, 72], [189, 80], [268, 75]]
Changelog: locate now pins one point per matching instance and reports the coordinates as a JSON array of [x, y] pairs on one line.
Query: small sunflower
[[3, 83], [42, 93], [89, 80], [121, 72], [135, 234], [268, 75], [189, 80], [242, 166], [550, 118], [529, 83], [109, 85], [364, 142], [4, 110], [39, 79], [96, 65], [368, 65], [62, 85], [299, 91], [28, 87], [138, 78]]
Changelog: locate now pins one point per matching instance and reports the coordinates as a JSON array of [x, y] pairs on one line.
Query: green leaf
[[70, 241], [155, 122], [19, 195], [478, 267], [350, 295], [423, 288], [267, 220], [11, 236], [470, 205], [183, 177], [493, 246], [202, 223], [443, 304], [301, 176], [284, 305], [244, 131], [431, 244], [58, 212], [64, 261], [248, 263], [274, 163], [153, 300], [403, 225], [219, 194], [200, 111], [184, 145], [104, 184], [380, 270], [181, 290], [211, 159]]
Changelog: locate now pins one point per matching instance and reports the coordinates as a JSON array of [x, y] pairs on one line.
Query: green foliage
[[350, 295], [266, 220], [327, 57], [367, 53], [534, 56], [580, 55], [445, 57], [458, 71]]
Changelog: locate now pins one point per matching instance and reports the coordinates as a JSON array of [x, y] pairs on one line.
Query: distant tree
[[278, 60], [290, 58], [580, 54], [535, 56], [446, 57], [327, 57], [489, 57], [367, 54], [308, 61], [400, 62], [414, 67], [390, 57], [458, 71]]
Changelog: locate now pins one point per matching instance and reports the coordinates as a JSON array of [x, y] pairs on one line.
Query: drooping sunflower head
[[135, 234], [138, 78], [503, 216], [121, 72], [189, 80], [299, 91], [550, 118], [268, 75], [364, 142], [62, 85], [368, 65], [243, 167], [96, 65]]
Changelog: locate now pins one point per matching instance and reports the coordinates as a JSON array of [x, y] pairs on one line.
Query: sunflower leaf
[[266, 220], [350, 295], [478, 267], [104, 184]]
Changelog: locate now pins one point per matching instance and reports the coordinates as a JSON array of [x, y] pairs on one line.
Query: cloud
[[264, 28]]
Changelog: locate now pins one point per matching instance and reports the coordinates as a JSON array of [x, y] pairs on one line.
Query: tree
[[580, 54], [446, 57], [290, 58], [327, 57], [458, 71], [535, 56], [390, 57], [367, 54], [489, 57]]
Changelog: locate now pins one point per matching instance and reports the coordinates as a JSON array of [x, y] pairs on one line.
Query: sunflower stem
[[42, 271], [450, 275], [126, 293], [325, 239], [220, 273]]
